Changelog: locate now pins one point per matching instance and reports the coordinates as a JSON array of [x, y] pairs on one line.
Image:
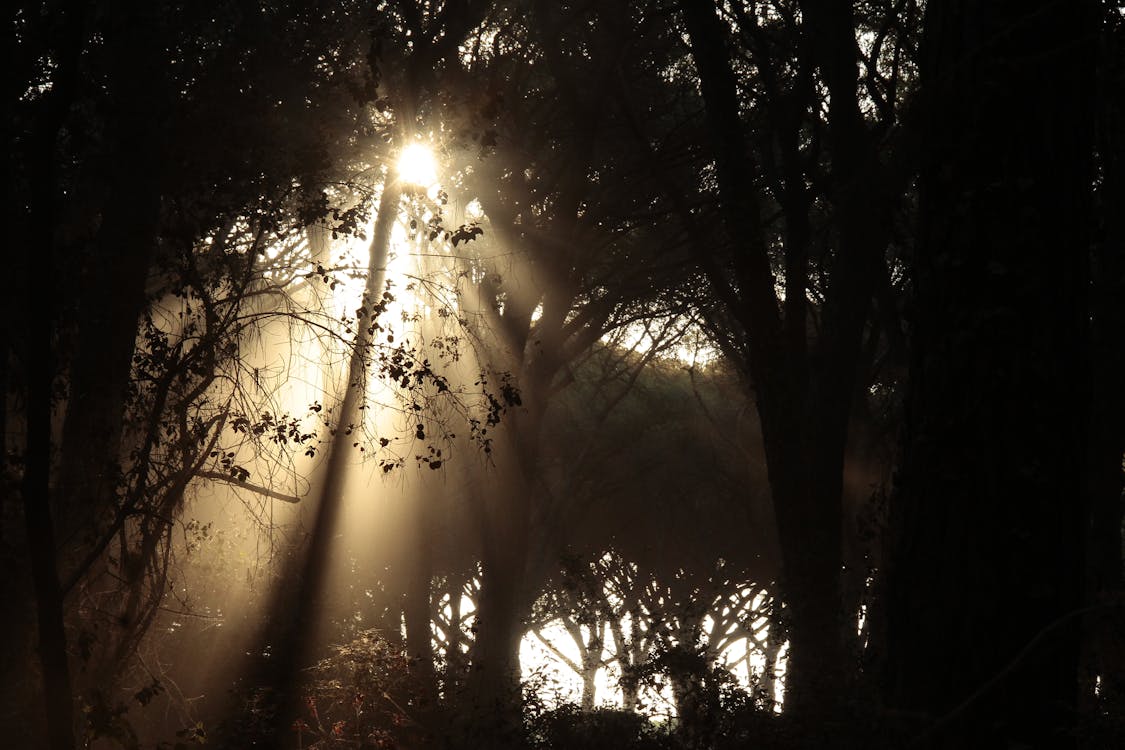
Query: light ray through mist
[[354, 511]]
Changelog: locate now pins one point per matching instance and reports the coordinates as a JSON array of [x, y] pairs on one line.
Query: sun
[[416, 165]]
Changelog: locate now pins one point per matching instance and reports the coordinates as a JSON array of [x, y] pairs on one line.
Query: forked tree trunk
[[803, 392]]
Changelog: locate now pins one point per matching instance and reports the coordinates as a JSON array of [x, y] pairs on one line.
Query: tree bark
[[986, 576], [53, 657], [494, 676], [1107, 433], [113, 280], [34, 232]]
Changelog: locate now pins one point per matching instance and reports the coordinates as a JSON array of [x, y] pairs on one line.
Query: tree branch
[[259, 489]]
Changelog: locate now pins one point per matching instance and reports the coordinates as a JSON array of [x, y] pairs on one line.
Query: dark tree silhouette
[[134, 208], [987, 568], [561, 265], [1106, 648], [805, 361]]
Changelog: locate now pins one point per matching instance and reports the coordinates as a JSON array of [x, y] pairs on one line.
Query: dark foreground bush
[[569, 727]]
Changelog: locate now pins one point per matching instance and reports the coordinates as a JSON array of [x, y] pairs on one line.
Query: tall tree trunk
[[110, 304], [804, 398], [495, 665], [32, 345], [494, 677], [809, 530], [296, 610], [53, 657], [113, 282], [1107, 434], [417, 606], [986, 575]]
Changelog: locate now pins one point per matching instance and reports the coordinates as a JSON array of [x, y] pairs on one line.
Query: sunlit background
[[238, 536]]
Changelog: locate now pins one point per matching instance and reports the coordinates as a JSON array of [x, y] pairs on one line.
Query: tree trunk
[[767, 687], [589, 686], [629, 658], [591, 662], [113, 282], [53, 657], [804, 397], [1106, 661], [494, 677], [986, 573], [36, 308], [295, 612], [454, 659], [809, 530], [416, 608]]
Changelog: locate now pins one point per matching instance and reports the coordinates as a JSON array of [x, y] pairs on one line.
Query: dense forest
[[652, 374]]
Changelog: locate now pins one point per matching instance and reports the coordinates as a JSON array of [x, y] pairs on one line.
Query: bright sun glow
[[416, 165]]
